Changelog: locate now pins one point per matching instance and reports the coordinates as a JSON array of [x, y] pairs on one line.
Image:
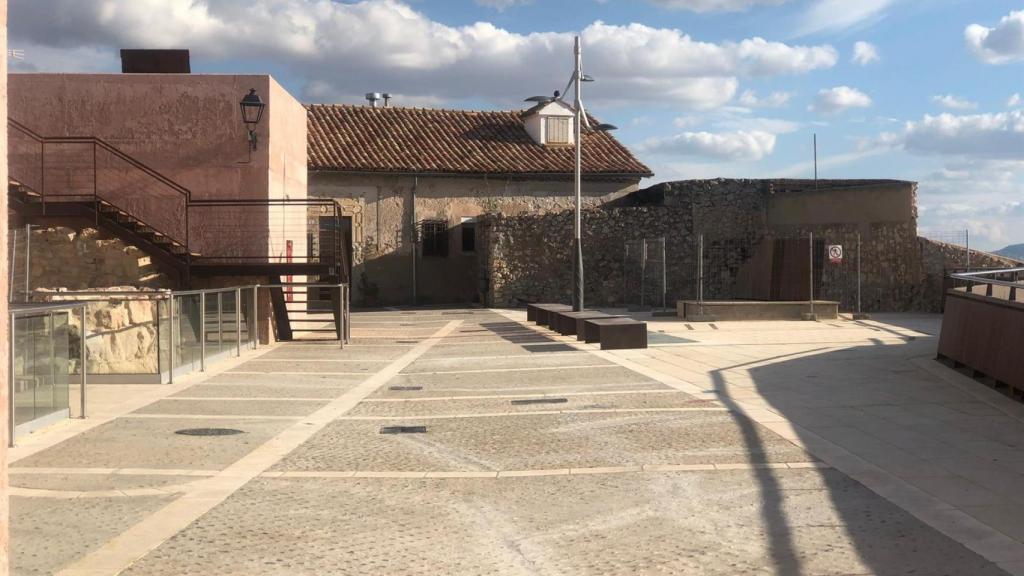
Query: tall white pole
[[577, 238]]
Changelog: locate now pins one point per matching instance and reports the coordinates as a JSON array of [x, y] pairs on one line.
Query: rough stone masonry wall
[[939, 259], [527, 258], [61, 257]]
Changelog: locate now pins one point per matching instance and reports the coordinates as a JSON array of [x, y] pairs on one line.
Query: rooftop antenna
[[16, 54]]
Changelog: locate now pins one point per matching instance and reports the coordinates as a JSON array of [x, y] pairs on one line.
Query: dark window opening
[[434, 236], [468, 237]]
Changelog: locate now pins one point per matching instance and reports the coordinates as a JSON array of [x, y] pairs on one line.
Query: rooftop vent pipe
[[374, 97]]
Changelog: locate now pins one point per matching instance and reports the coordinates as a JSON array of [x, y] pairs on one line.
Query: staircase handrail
[[106, 146]]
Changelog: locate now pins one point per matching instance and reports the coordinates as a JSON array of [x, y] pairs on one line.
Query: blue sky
[[919, 90]]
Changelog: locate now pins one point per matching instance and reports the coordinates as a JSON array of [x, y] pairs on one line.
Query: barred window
[[434, 237]]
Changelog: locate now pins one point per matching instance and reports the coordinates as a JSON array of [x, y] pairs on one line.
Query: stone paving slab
[[707, 523], [231, 407], [260, 391], [521, 382], [339, 381], [497, 362], [95, 482], [312, 367], [489, 406], [548, 441], [47, 533], [152, 443], [307, 352], [498, 346]]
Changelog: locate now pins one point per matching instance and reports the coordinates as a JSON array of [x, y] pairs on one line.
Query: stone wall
[[122, 333], [62, 257], [939, 259], [528, 258], [384, 211]]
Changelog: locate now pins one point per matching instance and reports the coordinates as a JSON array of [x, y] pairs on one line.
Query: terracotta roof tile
[[420, 140]]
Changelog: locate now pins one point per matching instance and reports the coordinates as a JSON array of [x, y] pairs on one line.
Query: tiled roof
[[427, 141]]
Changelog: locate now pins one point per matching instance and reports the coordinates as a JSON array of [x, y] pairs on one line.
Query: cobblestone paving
[[260, 391], [308, 513], [615, 401], [231, 408], [542, 442], [691, 523], [47, 533], [152, 443], [95, 482]]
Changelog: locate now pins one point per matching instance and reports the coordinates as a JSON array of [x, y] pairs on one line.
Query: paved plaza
[[828, 448]]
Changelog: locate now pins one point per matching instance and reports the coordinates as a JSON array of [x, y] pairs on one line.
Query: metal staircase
[[88, 179]]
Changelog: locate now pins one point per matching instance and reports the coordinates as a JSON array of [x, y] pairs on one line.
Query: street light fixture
[[252, 112], [581, 120]]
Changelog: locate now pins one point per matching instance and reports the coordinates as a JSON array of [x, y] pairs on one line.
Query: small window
[[557, 129], [434, 237], [468, 235]]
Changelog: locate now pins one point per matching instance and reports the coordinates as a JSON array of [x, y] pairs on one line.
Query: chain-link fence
[[778, 268], [645, 281]]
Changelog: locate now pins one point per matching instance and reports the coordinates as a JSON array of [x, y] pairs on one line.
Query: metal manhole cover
[[403, 430], [209, 432], [540, 401]]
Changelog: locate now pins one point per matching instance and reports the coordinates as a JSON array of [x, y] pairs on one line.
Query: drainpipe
[[415, 184]]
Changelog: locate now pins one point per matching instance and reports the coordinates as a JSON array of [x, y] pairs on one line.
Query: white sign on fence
[[835, 254]]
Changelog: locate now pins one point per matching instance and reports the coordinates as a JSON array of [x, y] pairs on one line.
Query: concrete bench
[[615, 333], [565, 322], [544, 313]]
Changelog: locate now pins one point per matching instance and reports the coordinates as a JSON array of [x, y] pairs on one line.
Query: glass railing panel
[[24, 366], [61, 338], [229, 321], [163, 335], [213, 325], [186, 331]]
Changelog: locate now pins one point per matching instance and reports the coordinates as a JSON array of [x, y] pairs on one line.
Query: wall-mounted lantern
[[252, 112]]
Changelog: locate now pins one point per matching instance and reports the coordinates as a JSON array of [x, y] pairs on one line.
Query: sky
[[924, 90]]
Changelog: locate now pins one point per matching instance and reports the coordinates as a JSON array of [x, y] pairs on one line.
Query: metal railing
[[191, 328], [40, 353], [1004, 285], [204, 230]]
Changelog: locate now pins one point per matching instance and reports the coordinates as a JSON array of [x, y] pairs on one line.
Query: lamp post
[[252, 111], [580, 121]]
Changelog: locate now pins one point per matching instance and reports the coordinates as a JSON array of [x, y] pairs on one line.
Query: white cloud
[[737, 146], [1014, 101], [835, 100], [1000, 44], [502, 5], [715, 5], [773, 100], [985, 136], [838, 15], [954, 102], [864, 53], [345, 49]]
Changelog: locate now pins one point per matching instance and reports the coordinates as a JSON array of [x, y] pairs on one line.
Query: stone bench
[[565, 322], [616, 333], [543, 314]]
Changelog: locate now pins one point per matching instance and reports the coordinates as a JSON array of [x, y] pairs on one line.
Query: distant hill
[[1016, 252]]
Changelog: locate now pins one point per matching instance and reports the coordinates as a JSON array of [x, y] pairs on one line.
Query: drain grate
[[403, 430], [209, 432], [540, 401], [405, 388]]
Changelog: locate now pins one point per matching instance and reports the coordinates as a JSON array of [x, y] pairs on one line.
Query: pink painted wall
[[187, 127]]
